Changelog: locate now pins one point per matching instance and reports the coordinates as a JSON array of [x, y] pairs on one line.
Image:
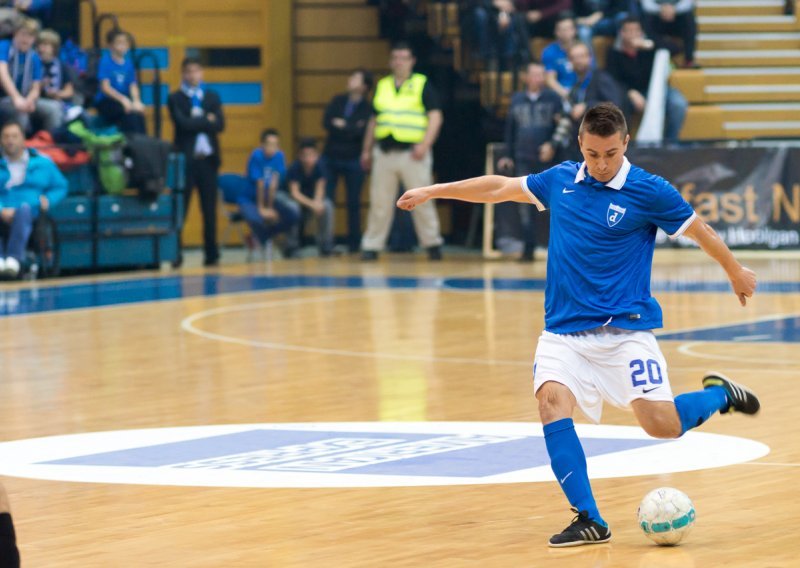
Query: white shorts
[[607, 363]]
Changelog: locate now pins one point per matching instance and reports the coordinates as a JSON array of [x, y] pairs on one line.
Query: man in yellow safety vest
[[397, 145]]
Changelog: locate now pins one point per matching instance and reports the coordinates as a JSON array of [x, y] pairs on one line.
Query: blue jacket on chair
[[42, 177]]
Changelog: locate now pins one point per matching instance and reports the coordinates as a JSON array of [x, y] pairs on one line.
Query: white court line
[[686, 349], [188, 325], [772, 464]]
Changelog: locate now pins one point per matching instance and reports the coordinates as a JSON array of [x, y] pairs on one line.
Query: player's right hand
[[412, 198]]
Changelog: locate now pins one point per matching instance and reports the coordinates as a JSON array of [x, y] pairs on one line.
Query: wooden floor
[[378, 354]]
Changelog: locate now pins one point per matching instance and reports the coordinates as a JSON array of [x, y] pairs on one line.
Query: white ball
[[666, 516]]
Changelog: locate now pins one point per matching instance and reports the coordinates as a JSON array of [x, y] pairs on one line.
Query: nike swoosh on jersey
[[645, 391], [565, 190]]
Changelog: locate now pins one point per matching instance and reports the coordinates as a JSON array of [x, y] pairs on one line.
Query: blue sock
[[694, 408], [569, 464]]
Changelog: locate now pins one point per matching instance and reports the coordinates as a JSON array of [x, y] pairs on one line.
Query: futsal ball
[[666, 516]]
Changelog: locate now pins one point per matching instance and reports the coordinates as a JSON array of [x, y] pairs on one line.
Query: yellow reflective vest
[[401, 114]]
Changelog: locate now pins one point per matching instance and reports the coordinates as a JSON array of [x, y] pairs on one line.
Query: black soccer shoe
[[583, 530], [740, 398]]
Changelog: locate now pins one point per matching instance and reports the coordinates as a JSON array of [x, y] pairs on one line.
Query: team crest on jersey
[[614, 214]]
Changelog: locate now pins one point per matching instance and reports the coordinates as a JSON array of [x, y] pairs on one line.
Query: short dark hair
[[604, 119], [114, 33], [269, 132], [307, 142], [366, 76], [630, 20], [402, 46], [190, 61], [563, 16], [13, 122]]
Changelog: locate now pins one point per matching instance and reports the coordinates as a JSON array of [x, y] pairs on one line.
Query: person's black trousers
[[202, 173]]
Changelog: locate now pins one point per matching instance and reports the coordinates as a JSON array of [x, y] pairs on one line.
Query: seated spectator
[[664, 19], [495, 30], [119, 101], [599, 18], [307, 187], [21, 78], [592, 86], [560, 76], [57, 88], [267, 208], [29, 183], [541, 15], [631, 64]]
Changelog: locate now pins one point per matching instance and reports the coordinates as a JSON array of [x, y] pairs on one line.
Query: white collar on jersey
[[616, 182]]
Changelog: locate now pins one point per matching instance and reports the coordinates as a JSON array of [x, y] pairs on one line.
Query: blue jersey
[[261, 167], [554, 58], [602, 238], [120, 75]]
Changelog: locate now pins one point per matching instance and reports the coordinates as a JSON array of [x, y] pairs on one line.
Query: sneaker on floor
[[11, 269], [435, 253], [582, 530], [740, 398], [2, 265], [369, 255]]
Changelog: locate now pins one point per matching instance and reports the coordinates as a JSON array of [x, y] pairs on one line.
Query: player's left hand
[[744, 284]]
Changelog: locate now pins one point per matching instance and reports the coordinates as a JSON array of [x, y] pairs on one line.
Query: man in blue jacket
[[29, 183]]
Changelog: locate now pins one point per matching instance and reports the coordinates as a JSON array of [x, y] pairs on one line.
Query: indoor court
[[400, 341]]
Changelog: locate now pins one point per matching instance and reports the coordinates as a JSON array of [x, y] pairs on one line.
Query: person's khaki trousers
[[388, 170]]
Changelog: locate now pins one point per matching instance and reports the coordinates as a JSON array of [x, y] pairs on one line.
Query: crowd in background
[[389, 135]]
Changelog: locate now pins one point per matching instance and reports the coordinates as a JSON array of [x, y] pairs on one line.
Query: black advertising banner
[[751, 196]]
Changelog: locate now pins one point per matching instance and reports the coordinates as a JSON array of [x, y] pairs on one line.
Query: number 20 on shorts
[[651, 367]]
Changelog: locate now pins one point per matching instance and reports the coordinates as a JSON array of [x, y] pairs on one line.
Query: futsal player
[[9, 554], [598, 342]]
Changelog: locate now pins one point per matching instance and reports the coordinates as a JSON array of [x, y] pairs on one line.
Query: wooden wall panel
[[341, 55], [336, 22]]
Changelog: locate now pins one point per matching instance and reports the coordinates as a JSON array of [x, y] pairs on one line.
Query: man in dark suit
[[197, 114], [346, 118]]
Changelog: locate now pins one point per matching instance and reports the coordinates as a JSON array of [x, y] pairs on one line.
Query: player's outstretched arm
[[484, 189], [742, 278]]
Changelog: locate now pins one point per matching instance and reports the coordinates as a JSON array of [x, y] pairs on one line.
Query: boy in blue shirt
[[119, 101], [597, 344], [267, 207], [21, 76]]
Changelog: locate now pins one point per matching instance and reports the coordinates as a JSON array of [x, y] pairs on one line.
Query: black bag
[[148, 165]]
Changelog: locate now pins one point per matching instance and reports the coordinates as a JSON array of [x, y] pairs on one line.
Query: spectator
[[346, 118], [592, 86], [21, 78], [541, 15], [599, 18], [307, 187], [494, 29], [631, 64], [119, 101], [9, 553], [267, 208], [57, 88], [406, 122], [534, 132], [198, 117], [39, 9], [29, 183], [664, 19], [560, 76]]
